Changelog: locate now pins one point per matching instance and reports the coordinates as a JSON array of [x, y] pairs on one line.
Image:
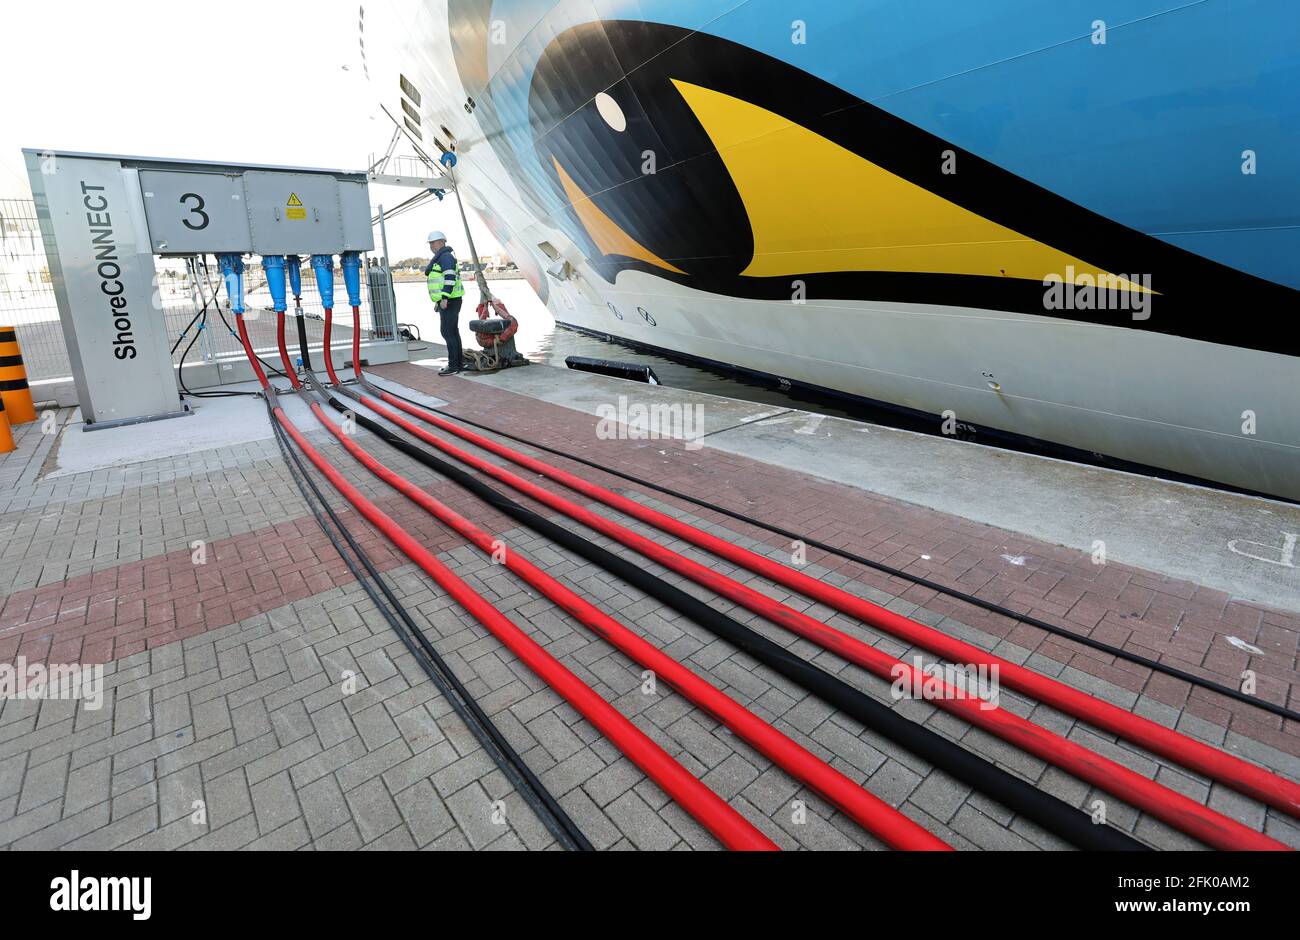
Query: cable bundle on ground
[[1046, 810]]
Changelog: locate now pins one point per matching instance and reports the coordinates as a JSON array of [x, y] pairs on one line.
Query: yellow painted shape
[[610, 239], [816, 207]]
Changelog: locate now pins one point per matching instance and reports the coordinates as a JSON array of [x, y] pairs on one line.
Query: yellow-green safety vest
[[438, 284]]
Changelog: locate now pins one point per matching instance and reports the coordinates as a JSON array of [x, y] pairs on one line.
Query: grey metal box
[[193, 212], [302, 213], [354, 201]]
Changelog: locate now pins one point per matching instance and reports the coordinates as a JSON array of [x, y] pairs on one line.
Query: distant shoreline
[[405, 278]]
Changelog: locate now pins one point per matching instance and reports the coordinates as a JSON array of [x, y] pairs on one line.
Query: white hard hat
[[436, 236]]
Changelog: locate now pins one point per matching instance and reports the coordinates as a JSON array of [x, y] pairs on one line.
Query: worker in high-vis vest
[[446, 291]]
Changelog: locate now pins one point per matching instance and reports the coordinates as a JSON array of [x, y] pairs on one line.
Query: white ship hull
[[1153, 400], [1205, 409]]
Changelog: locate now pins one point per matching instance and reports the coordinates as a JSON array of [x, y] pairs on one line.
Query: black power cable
[[517, 772], [302, 335], [181, 338], [1046, 810], [214, 301], [991, 606], [202, 319]]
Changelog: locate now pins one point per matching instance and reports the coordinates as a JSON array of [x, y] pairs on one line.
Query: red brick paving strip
[[123, 610]]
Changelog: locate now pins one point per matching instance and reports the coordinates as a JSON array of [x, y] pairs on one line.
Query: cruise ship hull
[[888, 227]]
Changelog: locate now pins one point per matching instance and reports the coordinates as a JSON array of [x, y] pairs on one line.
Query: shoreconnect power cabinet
[[103, 219]]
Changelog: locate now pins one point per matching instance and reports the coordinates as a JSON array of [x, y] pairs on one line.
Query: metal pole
[[196, 298], [485, 293], [387, 268]]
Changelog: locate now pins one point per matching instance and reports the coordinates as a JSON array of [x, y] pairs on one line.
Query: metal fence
[[26, 292], [27, 302]]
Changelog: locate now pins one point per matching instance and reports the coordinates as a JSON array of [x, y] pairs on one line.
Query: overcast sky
[[211, 82]]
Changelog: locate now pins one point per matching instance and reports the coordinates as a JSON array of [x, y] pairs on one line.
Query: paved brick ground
[[1173, 621], [227, 679]]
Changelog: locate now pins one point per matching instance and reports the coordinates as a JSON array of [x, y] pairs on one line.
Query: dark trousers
[[451, 333]]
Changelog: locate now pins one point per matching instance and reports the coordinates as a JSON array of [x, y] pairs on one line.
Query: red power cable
[[289, 370], [732, 829], [873, 814], [329, 361], [1227, 769], [1188, 815], [356, 337], [1177, 810]]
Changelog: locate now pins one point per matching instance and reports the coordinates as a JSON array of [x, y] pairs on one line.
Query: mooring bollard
[[14, 391]]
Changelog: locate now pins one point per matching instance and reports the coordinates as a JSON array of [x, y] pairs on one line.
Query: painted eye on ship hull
[[637, 172]]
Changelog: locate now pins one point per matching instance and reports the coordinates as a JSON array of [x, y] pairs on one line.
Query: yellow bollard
[[17, 396], [6, 433]]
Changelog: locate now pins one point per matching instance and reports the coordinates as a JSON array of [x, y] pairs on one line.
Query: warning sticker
[[294, 208]]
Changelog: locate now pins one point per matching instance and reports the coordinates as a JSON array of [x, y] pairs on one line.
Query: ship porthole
[[614, 310], [645, 315], [609, 110]]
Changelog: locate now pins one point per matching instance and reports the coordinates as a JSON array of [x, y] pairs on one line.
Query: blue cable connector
[[294, 267], [275, 270], [232, 272], [350, 262], [323, 266]]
